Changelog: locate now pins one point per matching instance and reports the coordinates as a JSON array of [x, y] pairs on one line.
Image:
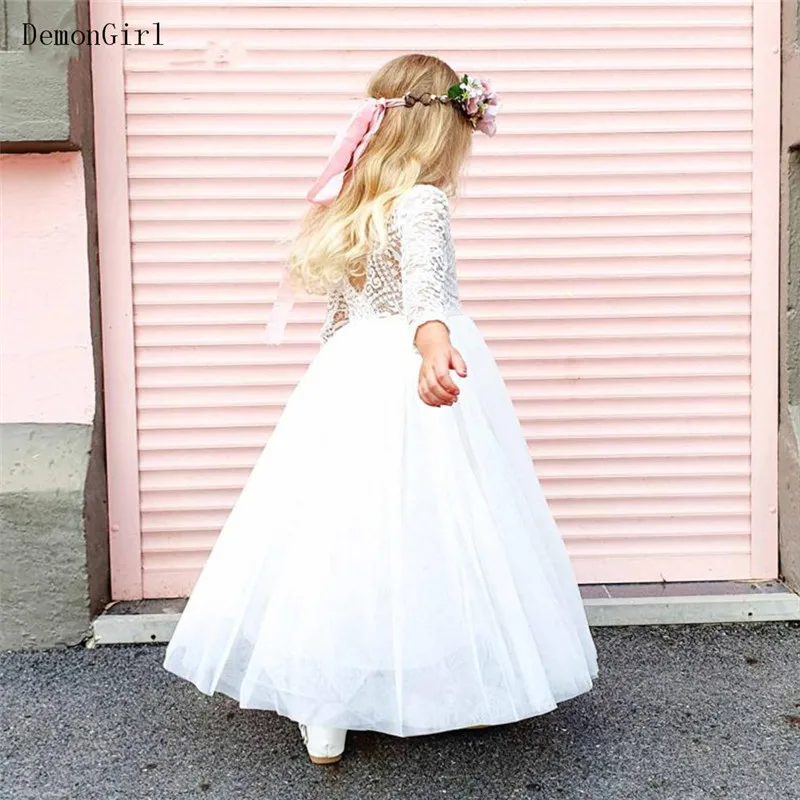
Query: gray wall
[[36, 109], [54, 567], [789, 431], [43, 573]]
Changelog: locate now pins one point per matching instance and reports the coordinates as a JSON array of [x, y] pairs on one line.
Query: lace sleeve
[[427, 259], [336, 317]]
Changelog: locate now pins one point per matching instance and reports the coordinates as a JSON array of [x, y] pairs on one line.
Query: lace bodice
[[413, 275]]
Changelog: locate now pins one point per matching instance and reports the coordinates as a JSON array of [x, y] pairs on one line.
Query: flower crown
[[474, 97]]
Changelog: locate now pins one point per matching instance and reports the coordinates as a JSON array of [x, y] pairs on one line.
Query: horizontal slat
[[267, 253], [556, 348], [612, 445], [481, 60], [246, 42], [350, 83], [652, 119], [500, 166], [232, 398], [232, 480], [685, 526], [198, 488], [695, 540], [466, 209], [250, 333], [475, 291], [236, 232], [482, 16], [514, 362], [489, 273], [607, 505], [161, 465], [518, 188], [719, 424], [280, 107], [615, 355], [244, 144]]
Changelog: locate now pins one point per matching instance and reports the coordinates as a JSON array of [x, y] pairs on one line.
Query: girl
[[391, 563]]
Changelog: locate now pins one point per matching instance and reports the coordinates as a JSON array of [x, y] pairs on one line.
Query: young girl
[[391, 563]]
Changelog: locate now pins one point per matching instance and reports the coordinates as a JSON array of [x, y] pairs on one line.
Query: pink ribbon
[[279, 314], [348, 147]]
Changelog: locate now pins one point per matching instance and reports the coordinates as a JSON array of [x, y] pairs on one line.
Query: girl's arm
[[426, 264]]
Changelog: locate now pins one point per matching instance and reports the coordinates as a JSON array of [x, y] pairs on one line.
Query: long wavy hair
[[416, 144]]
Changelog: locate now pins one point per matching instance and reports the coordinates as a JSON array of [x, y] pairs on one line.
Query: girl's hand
[[436, 387]]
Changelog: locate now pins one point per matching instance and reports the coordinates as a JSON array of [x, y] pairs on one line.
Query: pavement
[[695, 712]]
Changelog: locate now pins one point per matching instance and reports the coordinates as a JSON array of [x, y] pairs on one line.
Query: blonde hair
[[417, 144]]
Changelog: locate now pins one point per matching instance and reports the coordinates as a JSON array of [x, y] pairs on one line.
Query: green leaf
[[454, 91]]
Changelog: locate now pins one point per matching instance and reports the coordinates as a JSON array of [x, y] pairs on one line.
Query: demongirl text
[[108, 34]]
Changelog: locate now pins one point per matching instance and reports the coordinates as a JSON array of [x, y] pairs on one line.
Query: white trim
[[133, 628], [601, 612], [770, 607]]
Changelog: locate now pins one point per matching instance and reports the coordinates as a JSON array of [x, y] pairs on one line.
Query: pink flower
[[487, 123], [489, 95], [472, 106]]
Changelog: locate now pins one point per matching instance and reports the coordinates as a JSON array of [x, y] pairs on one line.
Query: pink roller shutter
[[606, 249]]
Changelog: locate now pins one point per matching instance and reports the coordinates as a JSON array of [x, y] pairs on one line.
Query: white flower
[[474, 87]]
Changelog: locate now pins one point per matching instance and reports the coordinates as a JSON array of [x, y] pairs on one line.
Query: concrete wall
[[54, 573], [37, 112], [789, 453], [44, 599]]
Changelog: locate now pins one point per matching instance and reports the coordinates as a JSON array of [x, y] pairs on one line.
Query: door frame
[[116, 302], [764, 290], [116, 296]]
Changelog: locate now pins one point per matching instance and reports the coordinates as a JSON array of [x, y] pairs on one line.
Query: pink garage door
[[616, 242]]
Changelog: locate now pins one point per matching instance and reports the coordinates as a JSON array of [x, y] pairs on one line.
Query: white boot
[[324, 745]]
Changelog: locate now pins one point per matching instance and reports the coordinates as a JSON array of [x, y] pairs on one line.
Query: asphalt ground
[[684, 712]]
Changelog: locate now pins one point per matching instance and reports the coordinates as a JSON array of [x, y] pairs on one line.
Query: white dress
[[390, 565]]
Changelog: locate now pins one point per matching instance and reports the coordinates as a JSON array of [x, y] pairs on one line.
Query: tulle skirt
[[389, 565]]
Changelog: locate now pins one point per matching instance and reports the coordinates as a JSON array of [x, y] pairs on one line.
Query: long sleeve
[[427, 258]]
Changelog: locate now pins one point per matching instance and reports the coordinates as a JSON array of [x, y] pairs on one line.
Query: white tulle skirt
[[389, 565]]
